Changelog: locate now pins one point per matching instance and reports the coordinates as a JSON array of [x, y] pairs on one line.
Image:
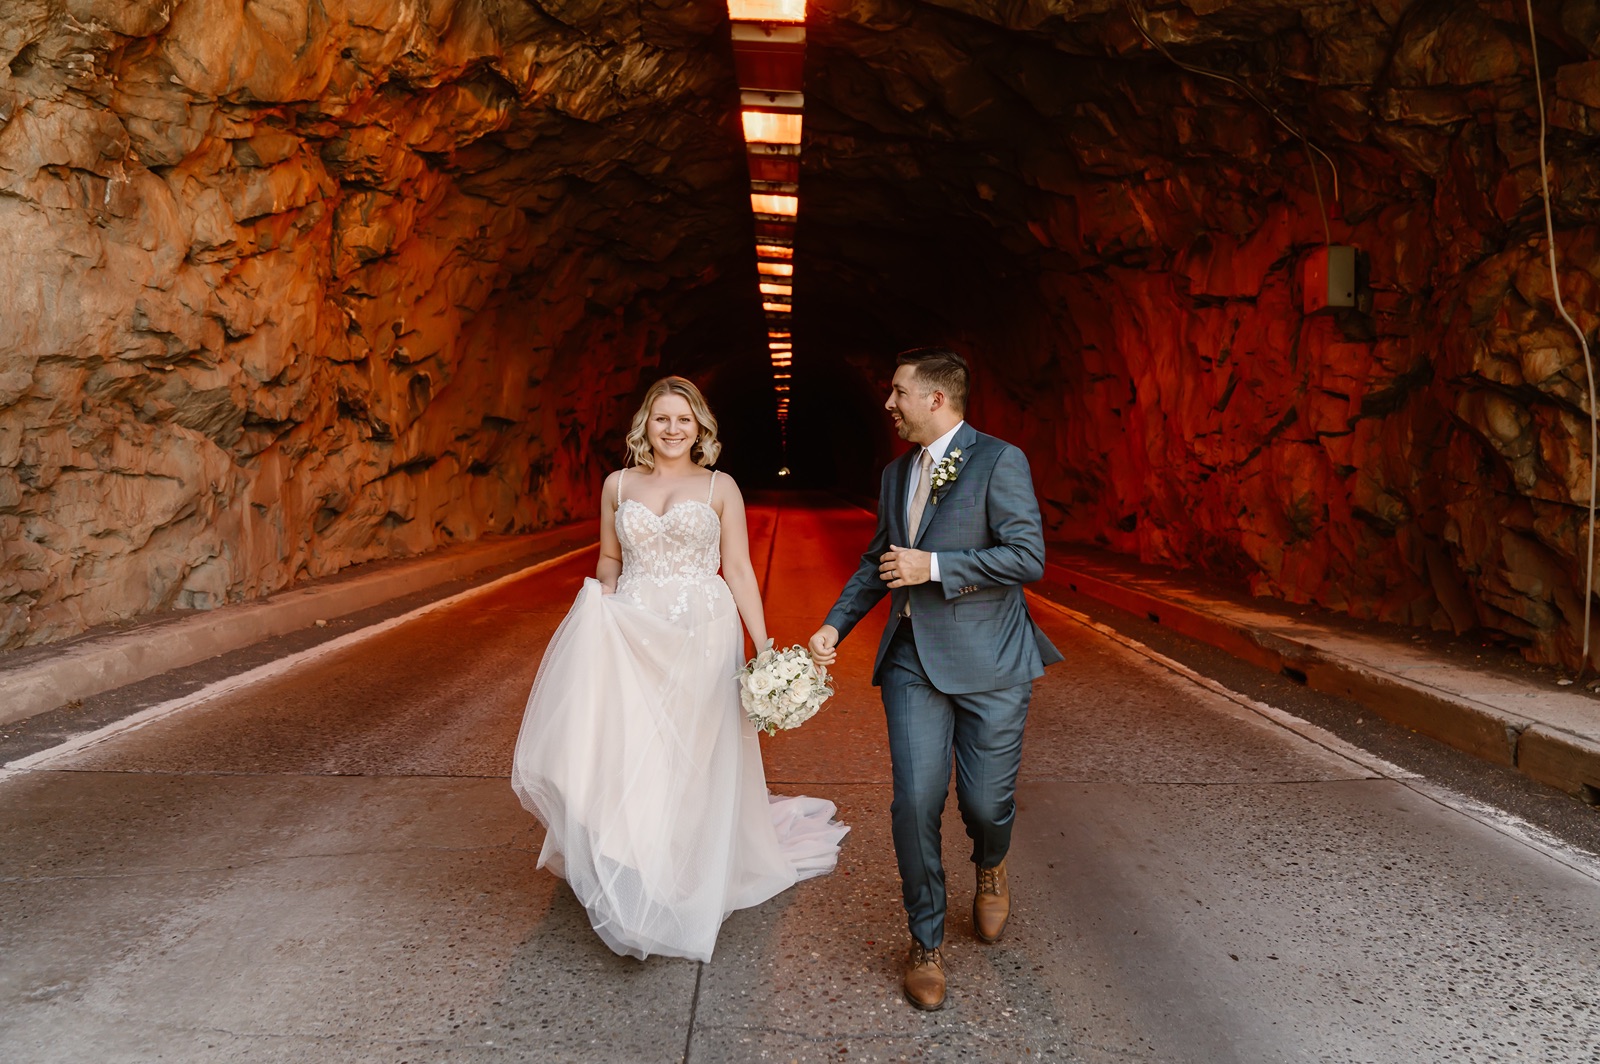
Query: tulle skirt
[[637, 758]]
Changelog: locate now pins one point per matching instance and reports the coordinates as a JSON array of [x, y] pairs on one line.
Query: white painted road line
[[1498, 820], [230, 684]]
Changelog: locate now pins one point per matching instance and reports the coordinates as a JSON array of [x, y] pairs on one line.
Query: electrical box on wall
[[1329, 277]]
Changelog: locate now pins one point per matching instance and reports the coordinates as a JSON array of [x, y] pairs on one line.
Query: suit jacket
[[973, 630]]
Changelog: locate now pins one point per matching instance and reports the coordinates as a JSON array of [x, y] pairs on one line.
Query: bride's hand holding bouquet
[[782, 689]]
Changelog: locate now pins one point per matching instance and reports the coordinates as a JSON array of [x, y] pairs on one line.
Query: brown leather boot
[[925, 978], [991, 905]]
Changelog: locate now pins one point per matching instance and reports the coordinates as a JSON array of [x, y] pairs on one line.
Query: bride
[[634, 751]]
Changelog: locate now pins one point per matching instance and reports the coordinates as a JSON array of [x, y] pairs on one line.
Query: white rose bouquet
[[782, 689]]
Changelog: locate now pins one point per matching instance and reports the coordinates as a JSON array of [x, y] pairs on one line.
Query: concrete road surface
[[329, 866]]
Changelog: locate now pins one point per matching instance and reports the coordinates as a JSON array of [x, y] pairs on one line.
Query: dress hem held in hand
[[635, 755]]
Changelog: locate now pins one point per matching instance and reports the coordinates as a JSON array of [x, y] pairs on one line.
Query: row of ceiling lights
[[769, 44]]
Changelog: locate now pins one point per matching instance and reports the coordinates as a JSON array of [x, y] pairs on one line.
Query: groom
[[958, 535]]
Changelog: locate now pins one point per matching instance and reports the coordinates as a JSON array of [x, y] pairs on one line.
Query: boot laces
[[989, 880], [921, 955]]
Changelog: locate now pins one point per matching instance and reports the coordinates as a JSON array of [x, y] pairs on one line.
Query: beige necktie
[[919, 502]]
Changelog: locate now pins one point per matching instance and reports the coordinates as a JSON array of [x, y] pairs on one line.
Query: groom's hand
[[902, 566], [824, 645]]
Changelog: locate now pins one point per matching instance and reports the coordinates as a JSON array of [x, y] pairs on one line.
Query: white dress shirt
[[937, 448]]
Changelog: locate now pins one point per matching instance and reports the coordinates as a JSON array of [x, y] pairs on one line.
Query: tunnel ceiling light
[[771, 127], [767, 10], [762, 203], [769, 39]]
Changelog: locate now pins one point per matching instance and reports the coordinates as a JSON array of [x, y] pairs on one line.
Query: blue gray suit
[[958, 673]]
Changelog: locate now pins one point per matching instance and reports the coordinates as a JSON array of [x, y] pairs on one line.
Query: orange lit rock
[[284, 288]]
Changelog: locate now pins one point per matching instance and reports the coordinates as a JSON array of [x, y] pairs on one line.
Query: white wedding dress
[[637, 757]]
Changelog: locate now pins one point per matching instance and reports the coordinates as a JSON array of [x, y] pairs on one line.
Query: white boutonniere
[[945, 473]]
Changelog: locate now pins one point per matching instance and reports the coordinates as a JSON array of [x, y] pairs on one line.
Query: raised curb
[[1545, 752], [95, 665]]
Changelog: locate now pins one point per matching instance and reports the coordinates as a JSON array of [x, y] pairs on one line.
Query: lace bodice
[[677, 550]]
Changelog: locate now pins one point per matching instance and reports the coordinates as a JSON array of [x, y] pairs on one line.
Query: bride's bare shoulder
[[724, 487], [613, 481]]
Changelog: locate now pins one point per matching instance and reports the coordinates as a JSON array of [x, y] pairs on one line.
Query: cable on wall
[[1136, 12], [1583, 341]]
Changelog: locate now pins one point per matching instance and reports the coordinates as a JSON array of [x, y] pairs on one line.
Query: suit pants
[[985, 732]]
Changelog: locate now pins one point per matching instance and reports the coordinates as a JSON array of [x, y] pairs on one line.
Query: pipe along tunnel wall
[[288, 286]]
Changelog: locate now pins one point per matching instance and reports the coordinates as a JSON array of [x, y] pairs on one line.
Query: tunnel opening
[[387, 285]]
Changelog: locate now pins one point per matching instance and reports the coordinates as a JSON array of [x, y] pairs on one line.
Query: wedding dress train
[[637, 758]]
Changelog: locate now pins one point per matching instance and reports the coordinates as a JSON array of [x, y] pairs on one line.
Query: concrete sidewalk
[[1515, 717], [38, 679]]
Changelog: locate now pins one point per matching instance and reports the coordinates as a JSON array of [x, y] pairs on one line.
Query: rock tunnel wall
[[286, 286], [1423, 461], [290, 286]]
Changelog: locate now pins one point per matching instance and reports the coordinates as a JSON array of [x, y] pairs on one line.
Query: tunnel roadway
[[330, 866]]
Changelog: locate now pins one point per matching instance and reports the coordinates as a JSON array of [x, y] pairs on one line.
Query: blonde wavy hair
[[706, 448]]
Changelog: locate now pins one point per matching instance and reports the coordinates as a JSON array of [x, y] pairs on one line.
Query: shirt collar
[[939, 446]]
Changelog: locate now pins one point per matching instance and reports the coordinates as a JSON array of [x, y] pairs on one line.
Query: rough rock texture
[[1119, 242], [287, 285]]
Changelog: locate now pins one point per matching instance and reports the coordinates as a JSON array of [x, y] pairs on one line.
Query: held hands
[[824, 645], [900, 567], [903, 566]]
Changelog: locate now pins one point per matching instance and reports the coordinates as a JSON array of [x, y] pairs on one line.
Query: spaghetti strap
[[713, 489], [620, 474]]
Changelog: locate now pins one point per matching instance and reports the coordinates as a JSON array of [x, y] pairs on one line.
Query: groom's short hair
[[940, 368]]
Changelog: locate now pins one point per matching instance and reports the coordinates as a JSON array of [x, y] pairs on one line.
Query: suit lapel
[[963, 441]]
